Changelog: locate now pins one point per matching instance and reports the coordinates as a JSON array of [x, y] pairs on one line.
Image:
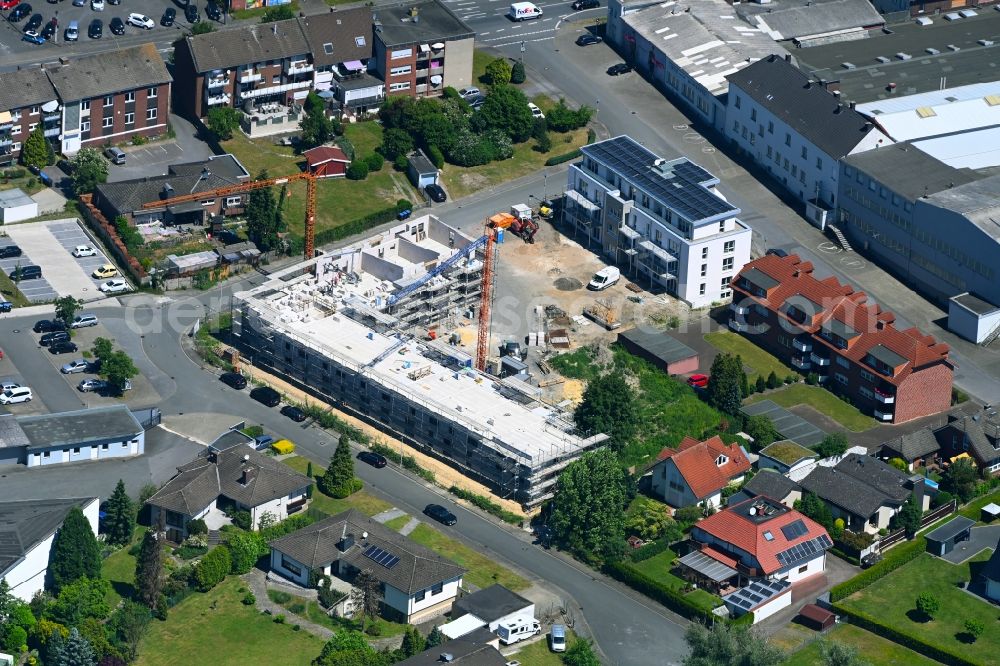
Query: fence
[[106, 231], [147, 418], [893, 538]]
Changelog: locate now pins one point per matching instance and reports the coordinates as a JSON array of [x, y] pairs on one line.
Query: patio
[[270, 118], [215, 519]]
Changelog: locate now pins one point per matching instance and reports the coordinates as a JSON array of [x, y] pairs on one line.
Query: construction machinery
[[241, 188], [523, 228]]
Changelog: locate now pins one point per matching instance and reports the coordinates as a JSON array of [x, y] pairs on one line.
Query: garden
[[659, 568], [822, 401], [876, 650]]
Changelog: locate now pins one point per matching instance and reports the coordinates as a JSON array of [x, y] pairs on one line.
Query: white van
[[518, 630], [522, 11], [15, 395], [604, 278]]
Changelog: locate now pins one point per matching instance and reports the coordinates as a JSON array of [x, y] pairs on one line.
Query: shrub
[[791, 379], [188, 552], [812, 379], [436, 157], [374, 629], [279, 619], [928, 605], [565, 157], [974, 628], [408, 463], [374, 162], [249, 599], [245, 548], [487, 505], [649, 550], [563, 119], [213, 568], [401, 163], [358, 170], [941, 499], [517, 74], [242, 519], [345, 489], [197, 526]]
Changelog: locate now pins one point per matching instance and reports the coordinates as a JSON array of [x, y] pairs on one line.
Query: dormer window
[[721, 460]]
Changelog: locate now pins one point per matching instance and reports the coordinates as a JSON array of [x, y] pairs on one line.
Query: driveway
[[153, 159], [980, 538], [806, 591]]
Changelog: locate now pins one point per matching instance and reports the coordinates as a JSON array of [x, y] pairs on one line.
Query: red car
[[7, 4], [698, 381]]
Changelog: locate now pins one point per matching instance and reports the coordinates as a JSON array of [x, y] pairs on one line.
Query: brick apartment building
[[422, 47], [90, 101], [828, 328]]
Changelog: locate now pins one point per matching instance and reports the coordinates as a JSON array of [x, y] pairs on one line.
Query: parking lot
[[153, 159], [50, 245]]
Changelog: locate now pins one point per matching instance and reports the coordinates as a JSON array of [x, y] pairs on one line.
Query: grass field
[[874, 649], [119, 568], [539, 654], [216, 629], [658, 568], [397, 523], [10, 292], [893, 600], [822, 401], [363, 501], [756, 359], [482, 571], [577, 364]]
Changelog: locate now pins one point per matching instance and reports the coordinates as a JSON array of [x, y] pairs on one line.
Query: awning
[[49, 107], [581, 200], [437, 46], [353, 65], [186, 207], [436, 80], [5, 117], [707, 567]]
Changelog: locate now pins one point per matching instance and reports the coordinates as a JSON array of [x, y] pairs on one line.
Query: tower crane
[[249, 186]]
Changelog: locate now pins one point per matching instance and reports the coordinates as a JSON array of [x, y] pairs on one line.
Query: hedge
[[852, 559], [895, 558], [653, 549], [915, 643], [658, 591], [565, 157], [213, 568], [487, 505]]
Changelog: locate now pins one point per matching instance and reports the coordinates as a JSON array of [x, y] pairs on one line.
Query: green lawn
[[216, 629], [365, 137], [257, 12], [577, 364], [482, 571], [479, 61], [119, 568], [312, 611], [822, 401], [539, 654], [397, 523], [10, 292], [363, 501], [874, 649], [893, 600], [658, 568], [758, 361]]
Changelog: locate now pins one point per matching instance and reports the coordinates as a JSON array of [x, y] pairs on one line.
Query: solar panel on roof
[[381, 557], [794, 530]]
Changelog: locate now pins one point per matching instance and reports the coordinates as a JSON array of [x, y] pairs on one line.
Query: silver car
[[90, 385], [73, 367]]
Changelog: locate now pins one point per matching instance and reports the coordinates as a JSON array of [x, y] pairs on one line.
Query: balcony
[[6, 141], [739, 326], [801, 363], [217, 81], [214, 100], [299, 67], [882, 416], [802, 345], [49, 117], [51, 132], [884, 397], [739, 309], [250, 77], [819, 360]]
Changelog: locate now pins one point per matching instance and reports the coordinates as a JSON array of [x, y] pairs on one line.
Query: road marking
[[484, 33], [526, 41], [519, 35], [828, 248], [471, 16]]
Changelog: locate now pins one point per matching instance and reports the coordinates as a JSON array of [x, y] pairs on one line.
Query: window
[[151, 114], [770, 127], [419, 596], [753, 114], [109, 100], [867, 376], [722, 226], [402, 85], [16, 129], [130, 96], [727, 264], [704, 253], [819, 163], [770, 151], [235, 201], [85, 105], [701, 289], [721, 460], [738, 101], [788, 139], [34, 111], [76, 450], [724, 287], [291, 566], [32, 126], [704, 270], [841, 379], [437, 588], [16, 146], [730, 246], [85, 126], [399, 71], [46, 454], [151, 93], [866, 392], [768, 535], [804, 569], [401, 53], [129, 118], [104, 447], [276, 79], [359, 41], [107, 122], [805, 153], [842, 362]]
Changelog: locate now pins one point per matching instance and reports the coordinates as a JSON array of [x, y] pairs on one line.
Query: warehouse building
[[343, 333]]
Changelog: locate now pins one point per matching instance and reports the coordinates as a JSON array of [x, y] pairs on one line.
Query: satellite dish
[[48, 107]]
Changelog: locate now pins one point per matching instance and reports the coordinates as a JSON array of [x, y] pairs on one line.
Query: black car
[[373, 459], [117, 26], [48, 325], [435, 192], [49, 31], [191, 13], [213, 11], [778, 252], [234, 379], [440, 514], [266, 396], [587, 39], [96, 29], [20, 12], [620, 68], [53, 337], [62, 347], [294, 413], [8, 251], [585, 4], [168, 17], [34, 23]]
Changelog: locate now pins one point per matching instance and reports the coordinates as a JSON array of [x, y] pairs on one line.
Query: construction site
[[360, 328]]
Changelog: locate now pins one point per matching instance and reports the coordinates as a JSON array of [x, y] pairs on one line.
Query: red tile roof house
[[762, 544], [826, 327], [696, 472], [327, 161]]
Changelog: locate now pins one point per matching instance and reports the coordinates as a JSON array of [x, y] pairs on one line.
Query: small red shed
[[327, 161], [816, 617]]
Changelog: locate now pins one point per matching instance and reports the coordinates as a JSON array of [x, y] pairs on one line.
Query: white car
[[84, 251], [116, 286], [535, 111], [97, 5], [15, 395], [468, 93], [7, 386], [141, 21]]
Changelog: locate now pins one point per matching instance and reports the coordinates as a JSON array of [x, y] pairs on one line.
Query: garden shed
[[15, 206], [818, 618], [665, 352], [942, 540], [989, 513], [421, 170]]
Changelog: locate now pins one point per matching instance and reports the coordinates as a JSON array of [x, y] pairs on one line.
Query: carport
[[942, 541], [190, 212], [789, 425]]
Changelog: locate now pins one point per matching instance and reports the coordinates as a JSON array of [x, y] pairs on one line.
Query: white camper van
[[522, 11], [518, 630]]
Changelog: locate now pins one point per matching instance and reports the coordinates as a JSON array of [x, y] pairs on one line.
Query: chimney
[[346, 542], [249, 474], [788, 57], [879, 325], [852, 104]]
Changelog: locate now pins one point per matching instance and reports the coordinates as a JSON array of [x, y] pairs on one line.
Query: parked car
[[604, 278], [440, 514], [294, 413], [233, 379], [79, 3], [84, 321], [168, 17], [469, 93], [698, 381], [15, 395], [263, 442], [116, 286], [96, 29], [32, 37], [8, 386], [436, 192], [97, 5], [373, 459], [28, 272], [117, 26], [266, 396], [557, 638], [191, 13], [63, 347], [9, 251], [6, 306], [49, 31], [48, 325], [105, 271], [777, 251], [90, 385], [587, 39], [53, 337], [535, 111], [620, 68], [34, 23], [585, 4], [84, 251], [20, 13], [141, 21], [115, 155], [213, 11], [73, 367], [71, 34]]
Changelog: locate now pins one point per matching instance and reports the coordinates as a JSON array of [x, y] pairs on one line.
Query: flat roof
[[974, 304], [923, 72], [788, 452], [909, 172], [395, 24], [808, 21], [976, 149], [661, 345], [976, 200], [951, 529], [79, 427], [14, 198]]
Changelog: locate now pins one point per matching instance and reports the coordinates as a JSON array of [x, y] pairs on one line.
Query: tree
[[505, 109], [149, 570], [540, 133], [357, 170], [338, 480], [561, 118], [261, 214], [118, 368], [960, 479], [102, 349], [89, 169], [517, 74], [909, 516], [366, 596], [762, 430], [66, 309], [840, 654], [744, 385], [581, 653], [729, 645], [83, 598], [588, 515], [772, 381], [974, 628], [609, 406], [222, 122], [348, 648], [724, 383], [413, 642], [202, 28], [395, 142], [128, 625], [277, 13], [813, 507], [245, 549], [435, 638], [928, 605], [213, 568], [118, 516], [75, 552], [834, 444], [498, 72], [34, 152], [74, 651], [309, 469], [317, 128], [760, 385]]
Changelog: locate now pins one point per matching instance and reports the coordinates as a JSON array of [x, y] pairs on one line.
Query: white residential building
[[663, 222]]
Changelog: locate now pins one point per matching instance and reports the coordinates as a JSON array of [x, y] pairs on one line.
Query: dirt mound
[[567, 284]]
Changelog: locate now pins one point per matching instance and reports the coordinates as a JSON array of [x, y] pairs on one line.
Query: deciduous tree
[[762, 430], [960, 479], [66, 309], [261, 214], [728, 645], [974, 628], [317, 128], [505, 109], [102, 349], [813, 507], [75, 552], [119, 516], [118, 368], [609, 406], [498, 72], [222, 121], [840, 654], [909, 516], [834, 444], [395, 142], [128, 624], [89, 169], [928, 605], [588, 516]]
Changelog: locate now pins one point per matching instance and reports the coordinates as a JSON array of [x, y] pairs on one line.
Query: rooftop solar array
[[804, 550], [679, 185], [756, 593], [794, 530], [382, 557]]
